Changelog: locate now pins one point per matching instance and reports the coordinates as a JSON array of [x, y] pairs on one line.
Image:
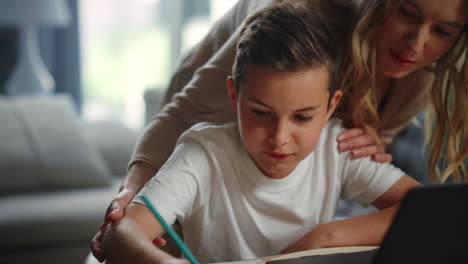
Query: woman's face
[[419, 32]]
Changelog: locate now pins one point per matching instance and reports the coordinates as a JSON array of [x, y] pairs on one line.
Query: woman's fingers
[[160, 242], [116, 209], [114, 212], [96, 244], [350, 133], [366, 151], [375, 151], [361, 144], [356, 142], [382, 157]]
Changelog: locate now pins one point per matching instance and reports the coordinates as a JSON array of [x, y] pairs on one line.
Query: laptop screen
[[431, 226]]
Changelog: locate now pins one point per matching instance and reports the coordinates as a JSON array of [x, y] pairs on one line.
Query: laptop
[[430, 227]]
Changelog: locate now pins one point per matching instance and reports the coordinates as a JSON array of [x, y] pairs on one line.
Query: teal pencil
[[177, 240]]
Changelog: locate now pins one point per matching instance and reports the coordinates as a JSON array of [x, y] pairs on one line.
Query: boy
[[270, 182]]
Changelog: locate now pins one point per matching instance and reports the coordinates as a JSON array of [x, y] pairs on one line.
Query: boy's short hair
[[288, 38]]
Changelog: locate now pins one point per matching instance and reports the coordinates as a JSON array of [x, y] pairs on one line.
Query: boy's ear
[[334, 100], [232, 93]]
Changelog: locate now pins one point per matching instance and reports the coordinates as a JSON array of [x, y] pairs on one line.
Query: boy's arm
[[129, 240], [368, 230]]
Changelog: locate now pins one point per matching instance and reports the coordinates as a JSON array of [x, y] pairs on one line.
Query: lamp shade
[[26, 12]]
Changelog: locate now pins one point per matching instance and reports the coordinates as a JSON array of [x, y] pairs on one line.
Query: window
[[129, 46]]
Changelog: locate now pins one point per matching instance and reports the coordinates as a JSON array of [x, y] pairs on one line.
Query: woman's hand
[[361, 144], [137, 176], [114, 212], [129, 239]]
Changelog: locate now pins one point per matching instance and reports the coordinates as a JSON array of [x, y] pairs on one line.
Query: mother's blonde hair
[[447, 122]]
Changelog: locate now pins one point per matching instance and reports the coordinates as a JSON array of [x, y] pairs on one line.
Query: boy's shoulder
[[328, 142], [207, 128], [333, 127]]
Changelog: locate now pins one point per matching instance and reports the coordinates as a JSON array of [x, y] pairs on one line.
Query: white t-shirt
[[230, 211]]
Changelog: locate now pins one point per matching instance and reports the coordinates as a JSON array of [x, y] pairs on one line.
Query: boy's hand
[[317, 238], [361, 144], [171, 260]]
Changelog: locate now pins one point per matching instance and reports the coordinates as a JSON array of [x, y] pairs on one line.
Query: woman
[[397, 53], [434, 46]]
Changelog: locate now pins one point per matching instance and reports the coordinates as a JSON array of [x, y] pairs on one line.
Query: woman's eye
[[442, 32], [303, 118], [407, 13], [258, 112]]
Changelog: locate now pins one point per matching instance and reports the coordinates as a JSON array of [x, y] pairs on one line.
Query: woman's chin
[[397, 74]]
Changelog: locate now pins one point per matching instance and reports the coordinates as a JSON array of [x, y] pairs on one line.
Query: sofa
[[57, 176]]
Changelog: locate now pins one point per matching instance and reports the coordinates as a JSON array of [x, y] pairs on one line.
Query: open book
[[306, 253]]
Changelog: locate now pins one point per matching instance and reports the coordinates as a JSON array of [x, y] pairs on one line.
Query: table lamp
[[30, 74]]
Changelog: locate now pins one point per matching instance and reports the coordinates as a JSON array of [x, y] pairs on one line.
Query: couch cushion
[[43, 146], [54, 218]]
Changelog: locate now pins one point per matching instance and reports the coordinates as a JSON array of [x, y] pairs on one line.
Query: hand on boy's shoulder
[[361, 144]]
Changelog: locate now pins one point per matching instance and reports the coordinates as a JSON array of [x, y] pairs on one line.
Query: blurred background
[[73, 77], [114, 50], [128, 46]]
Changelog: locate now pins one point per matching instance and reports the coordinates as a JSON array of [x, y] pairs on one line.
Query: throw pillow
[[43, 146]]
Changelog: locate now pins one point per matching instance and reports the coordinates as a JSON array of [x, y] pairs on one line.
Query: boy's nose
[[280, 133]]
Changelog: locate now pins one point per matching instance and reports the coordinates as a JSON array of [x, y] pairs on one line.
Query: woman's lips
[[278, 156], [400, 61]]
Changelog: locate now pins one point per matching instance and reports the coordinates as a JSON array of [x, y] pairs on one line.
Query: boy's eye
[[258, 112], [303, 118]]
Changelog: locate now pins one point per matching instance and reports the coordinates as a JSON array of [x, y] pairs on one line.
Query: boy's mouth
[[278, 156]]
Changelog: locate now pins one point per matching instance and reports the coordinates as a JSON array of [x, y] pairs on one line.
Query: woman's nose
[[416, 40]]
